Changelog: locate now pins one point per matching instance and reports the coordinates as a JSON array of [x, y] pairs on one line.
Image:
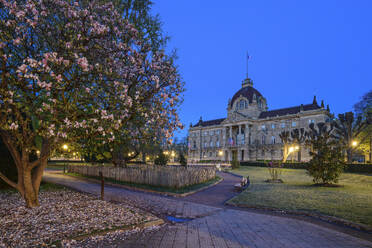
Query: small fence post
[[102, 185]]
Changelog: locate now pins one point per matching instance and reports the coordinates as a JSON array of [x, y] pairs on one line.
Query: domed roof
[[246, 91]]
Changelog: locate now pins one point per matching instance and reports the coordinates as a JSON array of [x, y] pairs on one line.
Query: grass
[[155, 188], [351, 201]]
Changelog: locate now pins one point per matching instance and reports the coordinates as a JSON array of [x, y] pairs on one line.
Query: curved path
[[217, 195], [211, 225]]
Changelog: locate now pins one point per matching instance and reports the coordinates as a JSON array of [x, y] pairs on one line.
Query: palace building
[[250, 131]]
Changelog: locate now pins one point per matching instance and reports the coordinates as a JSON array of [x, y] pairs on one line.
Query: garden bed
[[156, 189], [63, 215]]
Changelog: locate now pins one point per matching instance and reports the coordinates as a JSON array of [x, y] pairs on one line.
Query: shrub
[[182, 160], [161, 159], [275, 170]]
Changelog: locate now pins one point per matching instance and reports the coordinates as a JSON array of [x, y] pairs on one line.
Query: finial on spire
[[322, 104], [314, 101], [247, 81], [248, 57]]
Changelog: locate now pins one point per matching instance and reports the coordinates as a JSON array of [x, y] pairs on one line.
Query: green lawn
[[352, 201]]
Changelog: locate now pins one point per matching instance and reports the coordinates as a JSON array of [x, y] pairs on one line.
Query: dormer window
[[242, 104]]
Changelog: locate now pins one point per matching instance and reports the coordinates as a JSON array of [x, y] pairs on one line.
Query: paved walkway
[[213, 226], [217, 195]]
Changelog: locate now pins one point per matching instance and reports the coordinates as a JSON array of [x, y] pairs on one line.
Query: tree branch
[[8, 181]]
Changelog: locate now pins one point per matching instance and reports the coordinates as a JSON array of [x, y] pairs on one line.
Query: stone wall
[[166, 176]]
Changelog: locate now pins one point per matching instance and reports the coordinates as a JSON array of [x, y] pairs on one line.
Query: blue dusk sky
[[299, 49]]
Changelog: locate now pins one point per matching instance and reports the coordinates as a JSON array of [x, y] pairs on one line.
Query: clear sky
[[299, 49]]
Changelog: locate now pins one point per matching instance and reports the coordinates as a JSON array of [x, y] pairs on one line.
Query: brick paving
[[213, 226]]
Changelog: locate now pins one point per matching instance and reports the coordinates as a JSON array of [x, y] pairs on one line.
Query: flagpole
[[247, 63]]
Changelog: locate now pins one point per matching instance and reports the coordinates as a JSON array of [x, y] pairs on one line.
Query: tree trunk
[[30, 193], [285, 153], [349, 155], [30, 173]]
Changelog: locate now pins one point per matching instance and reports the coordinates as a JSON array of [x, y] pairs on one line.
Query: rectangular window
[[282, 125], [217, 143], [273, 126], [263, 127], [294, 123], [272, 139], [211, 143], [311, 121]]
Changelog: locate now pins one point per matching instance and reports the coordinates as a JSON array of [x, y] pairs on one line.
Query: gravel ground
[[110, 240], [62, 215]]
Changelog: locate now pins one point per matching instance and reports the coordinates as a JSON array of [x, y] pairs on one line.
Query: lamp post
[[65, 148]]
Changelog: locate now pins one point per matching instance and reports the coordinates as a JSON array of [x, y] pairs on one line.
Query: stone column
[[246, 134], [223, 137]]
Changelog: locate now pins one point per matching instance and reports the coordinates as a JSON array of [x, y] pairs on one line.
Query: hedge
[[354, 168]]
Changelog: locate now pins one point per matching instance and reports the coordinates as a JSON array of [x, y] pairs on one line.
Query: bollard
[[102, 186]]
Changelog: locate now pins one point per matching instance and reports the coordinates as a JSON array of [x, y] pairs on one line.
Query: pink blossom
[[22, 68], [20, 14], [83, 63], [59, 78], [17, 41], [13, 126]]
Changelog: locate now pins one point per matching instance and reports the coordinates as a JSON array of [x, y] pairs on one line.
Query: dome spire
[[248, 57], [247, 81]]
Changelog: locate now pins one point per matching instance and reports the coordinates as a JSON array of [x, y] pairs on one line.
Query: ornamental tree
[[348, 129], [73, 70], [326, 164]]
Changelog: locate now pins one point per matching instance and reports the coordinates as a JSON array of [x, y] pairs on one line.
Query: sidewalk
[[213, 226]]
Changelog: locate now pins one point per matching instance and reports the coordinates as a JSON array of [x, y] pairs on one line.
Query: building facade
[[250, 131]]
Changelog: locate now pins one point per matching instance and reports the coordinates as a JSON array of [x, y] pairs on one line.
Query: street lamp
[[354, 143], [65, 147], [220, 153]]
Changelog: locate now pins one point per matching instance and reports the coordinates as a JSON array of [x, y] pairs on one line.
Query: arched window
[[242, 104], [263, 139]]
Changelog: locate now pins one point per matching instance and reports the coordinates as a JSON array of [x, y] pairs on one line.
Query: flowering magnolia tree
[[73, 70]]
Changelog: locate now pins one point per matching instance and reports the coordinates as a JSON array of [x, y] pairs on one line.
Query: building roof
[[247, 92], [209, 123], [289, 111]]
